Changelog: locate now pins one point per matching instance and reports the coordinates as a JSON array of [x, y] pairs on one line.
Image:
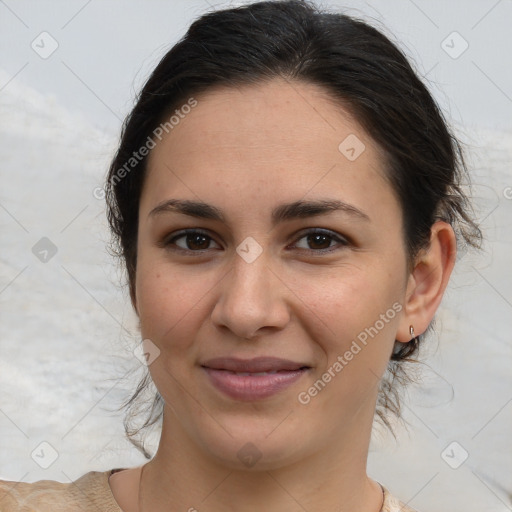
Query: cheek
[[165, 299], [359, 318], [347, 302], [168, 309], [360, 314]]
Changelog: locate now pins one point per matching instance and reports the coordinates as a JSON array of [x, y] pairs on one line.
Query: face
[[318, 287]]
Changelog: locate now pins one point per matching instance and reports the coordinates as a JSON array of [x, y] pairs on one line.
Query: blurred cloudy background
[[68, 75]]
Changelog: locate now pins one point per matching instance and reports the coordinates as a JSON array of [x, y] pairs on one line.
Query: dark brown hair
[[362, 70]]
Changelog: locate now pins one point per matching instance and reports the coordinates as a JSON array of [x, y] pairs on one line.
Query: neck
[[335, 478]]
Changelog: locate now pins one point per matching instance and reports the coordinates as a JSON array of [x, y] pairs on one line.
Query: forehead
[[281, 115], [280, 138]]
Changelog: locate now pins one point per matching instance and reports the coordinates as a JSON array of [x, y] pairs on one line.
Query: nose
[[252, 299]]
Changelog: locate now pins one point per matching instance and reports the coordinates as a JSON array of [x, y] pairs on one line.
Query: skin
[[245, 151]]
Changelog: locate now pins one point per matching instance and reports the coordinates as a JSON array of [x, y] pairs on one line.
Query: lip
[[257, 364], [242, 379]]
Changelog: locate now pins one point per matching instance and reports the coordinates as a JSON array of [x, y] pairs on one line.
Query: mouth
[[258, 365], [253, 379]]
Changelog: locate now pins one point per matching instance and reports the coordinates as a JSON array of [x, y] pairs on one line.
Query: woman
[[286, 201]]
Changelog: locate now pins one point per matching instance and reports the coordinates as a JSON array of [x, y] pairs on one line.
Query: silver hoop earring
[[411, 331]]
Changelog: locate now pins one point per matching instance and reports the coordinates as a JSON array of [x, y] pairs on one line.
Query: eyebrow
[[281, 213]]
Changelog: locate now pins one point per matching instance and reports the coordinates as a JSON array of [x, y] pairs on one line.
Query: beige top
[[92, 493]]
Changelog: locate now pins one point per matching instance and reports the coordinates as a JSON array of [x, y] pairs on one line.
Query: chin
[[253, 446]]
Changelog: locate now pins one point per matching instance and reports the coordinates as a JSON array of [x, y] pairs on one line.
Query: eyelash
[[316, 231]]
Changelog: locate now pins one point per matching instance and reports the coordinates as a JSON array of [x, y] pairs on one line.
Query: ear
[[428, 280]]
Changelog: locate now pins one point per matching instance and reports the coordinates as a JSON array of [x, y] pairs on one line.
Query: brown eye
[[320, 240], [194, 241]]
